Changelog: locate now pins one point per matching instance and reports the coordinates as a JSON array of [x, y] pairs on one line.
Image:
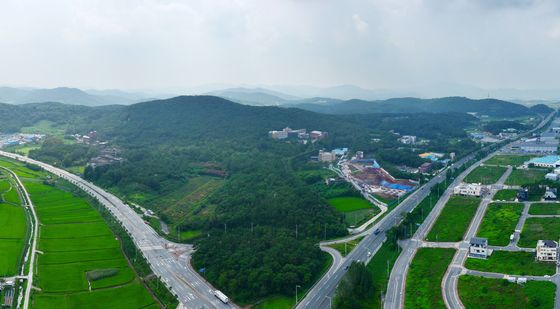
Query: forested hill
[[193, 117], [169, 147], [490, 107], [76, 118]]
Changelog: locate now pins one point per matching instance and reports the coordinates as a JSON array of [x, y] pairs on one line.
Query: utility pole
[[330, 301], [297, 286], [225, 228], [345, 249], [178, 234], [325, 233]]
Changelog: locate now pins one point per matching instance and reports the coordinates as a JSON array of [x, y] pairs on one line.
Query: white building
[[408, 139], [479, 247], [551, 176], [326, 156], [359, 155], [550, 194], [547, 251], [470, 189], [278, 134]]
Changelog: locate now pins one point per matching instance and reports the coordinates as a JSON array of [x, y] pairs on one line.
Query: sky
[[382, 44]]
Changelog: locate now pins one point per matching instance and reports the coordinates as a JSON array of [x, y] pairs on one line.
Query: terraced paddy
[[13, 228], [81, 265]]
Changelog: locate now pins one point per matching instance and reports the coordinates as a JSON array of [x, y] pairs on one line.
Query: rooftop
[[479, 241], [545, 160], [548, 243]]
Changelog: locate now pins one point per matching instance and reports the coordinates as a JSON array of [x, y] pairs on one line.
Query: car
[[346, 267], [377, 232], [369, 253]]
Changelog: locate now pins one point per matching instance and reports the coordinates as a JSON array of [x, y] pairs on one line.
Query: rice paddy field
[[13, 228], [81, 264]]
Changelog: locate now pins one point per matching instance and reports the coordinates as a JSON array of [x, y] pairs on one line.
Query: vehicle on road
[[377, 232], [221, 296]]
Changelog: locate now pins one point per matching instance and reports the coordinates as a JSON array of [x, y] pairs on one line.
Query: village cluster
[[19, 139]]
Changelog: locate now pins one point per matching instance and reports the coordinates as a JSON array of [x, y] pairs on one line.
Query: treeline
[[496, 127], [54, 151]]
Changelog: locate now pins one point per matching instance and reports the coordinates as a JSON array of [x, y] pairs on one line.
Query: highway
[[397, 281], [191, 290], [320, 293]]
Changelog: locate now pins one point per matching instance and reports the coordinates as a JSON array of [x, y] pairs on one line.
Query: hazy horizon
[[423, 48]]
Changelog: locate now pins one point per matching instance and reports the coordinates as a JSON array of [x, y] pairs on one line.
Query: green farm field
[[539, 228], [512, 263], [13, 229], [348, 204], [525, 177], [485, 174], [454, 219], [131, 295], [513, 160], [499, 222], [483, 293], [545, 209], [423, 284], [75, 240]]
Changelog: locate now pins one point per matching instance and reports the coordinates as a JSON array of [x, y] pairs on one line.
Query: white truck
[[221, 296]]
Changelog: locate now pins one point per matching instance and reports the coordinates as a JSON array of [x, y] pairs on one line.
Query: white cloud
[[375, 44]]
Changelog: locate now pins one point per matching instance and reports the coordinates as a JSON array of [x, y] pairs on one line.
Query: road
[[451, 277], [26, 202], [320, 294], [397, 281], [191, 289]]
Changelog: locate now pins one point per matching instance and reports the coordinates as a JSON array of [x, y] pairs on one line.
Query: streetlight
[[330, 301], [297, 286]]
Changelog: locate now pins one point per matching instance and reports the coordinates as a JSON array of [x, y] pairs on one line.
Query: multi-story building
[[359, 155], [547, 251], [479, 247], [408, 139], [326, 156], [470, 189]]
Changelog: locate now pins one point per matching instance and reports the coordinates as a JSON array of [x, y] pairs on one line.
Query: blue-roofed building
[[340, 151], [546, 161]]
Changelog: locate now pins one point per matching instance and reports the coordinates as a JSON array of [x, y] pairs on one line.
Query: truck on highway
[[221, 296]]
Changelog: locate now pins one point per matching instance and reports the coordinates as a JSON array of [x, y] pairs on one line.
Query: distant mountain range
[[254, 96], [66, 95], [266, 97], [490, 107]]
